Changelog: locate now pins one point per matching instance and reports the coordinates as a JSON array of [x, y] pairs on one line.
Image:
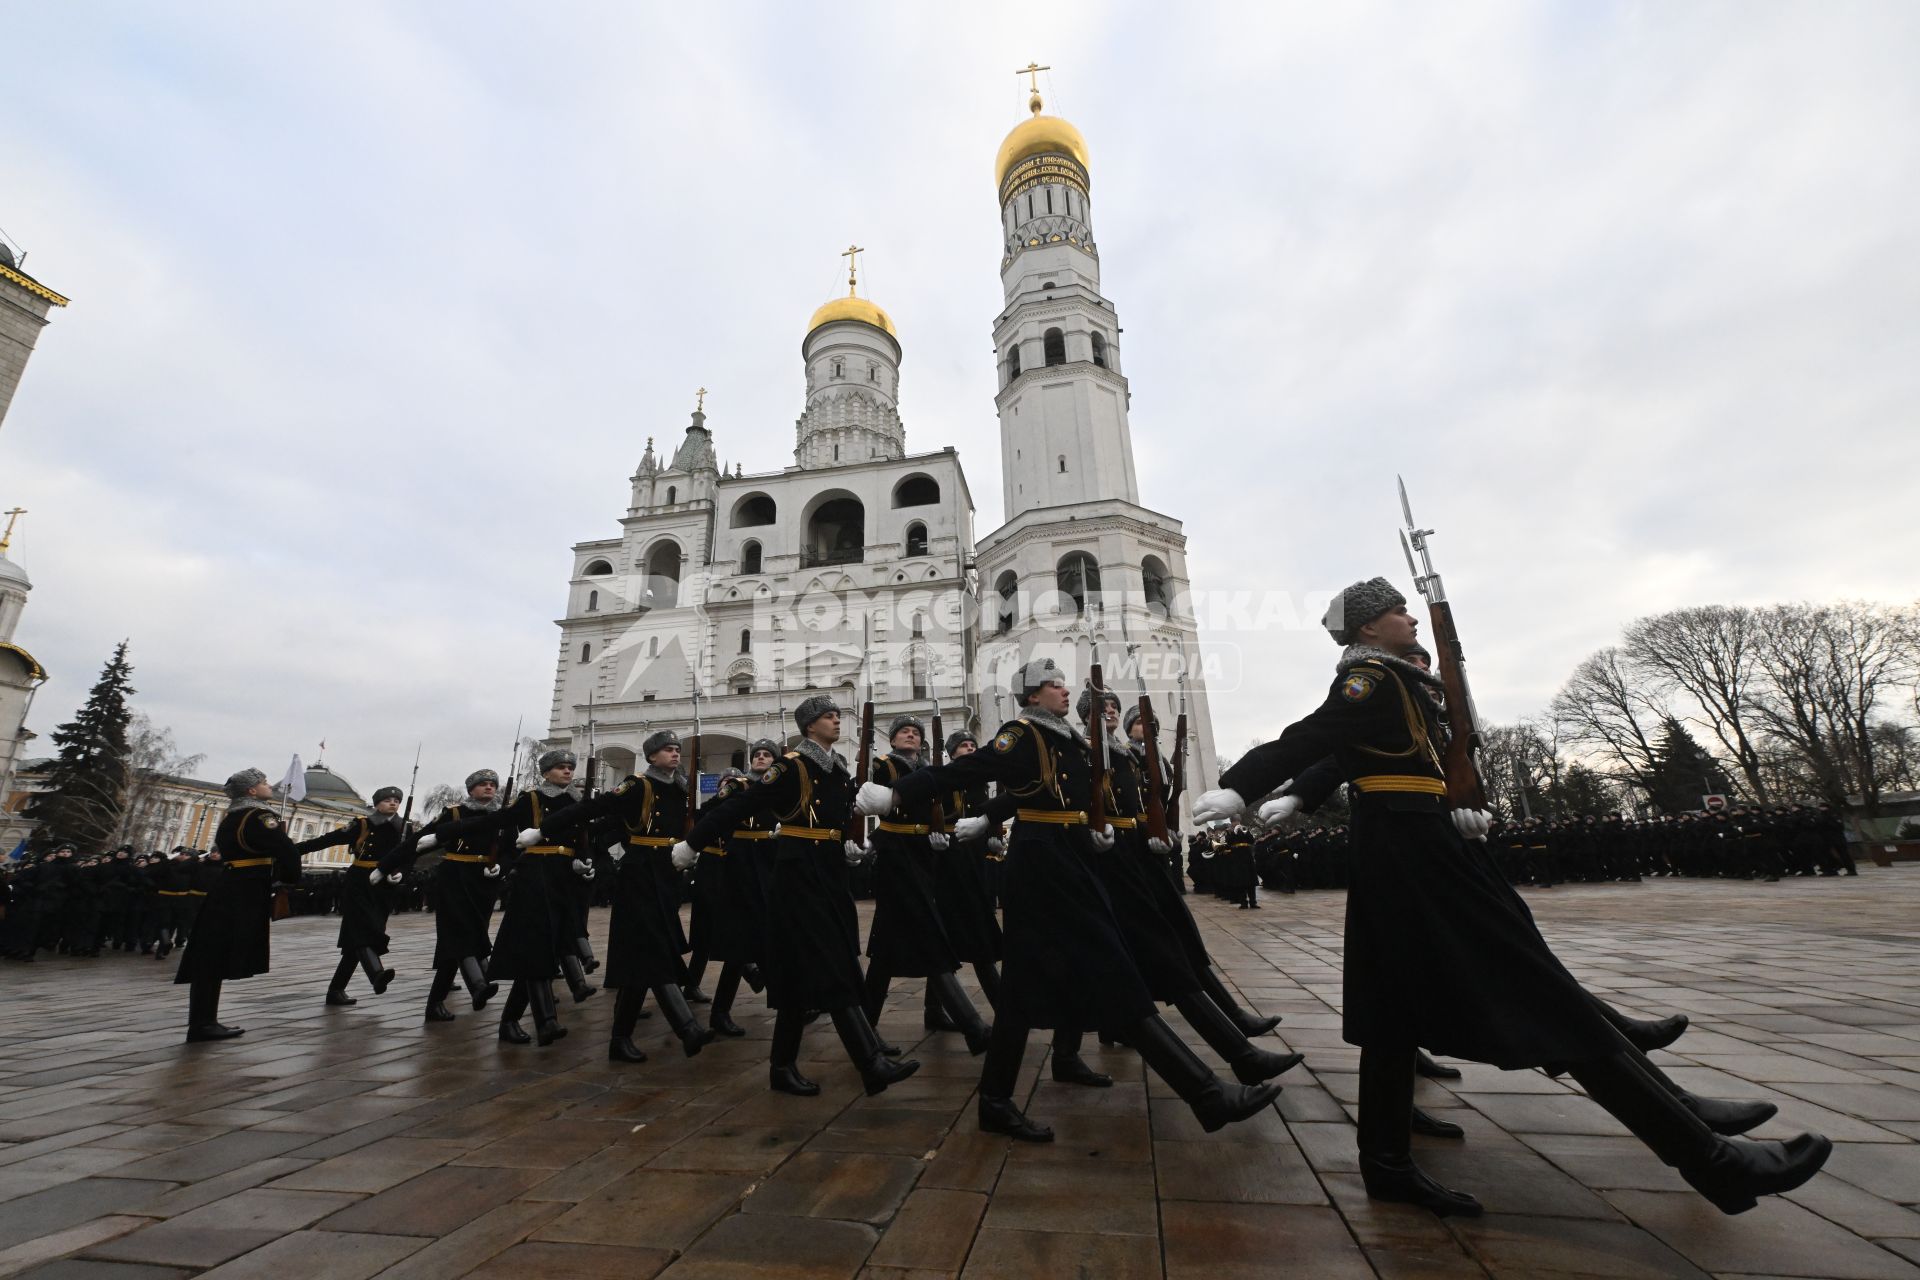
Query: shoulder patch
[[775, 770], [1007, 738], [270, 822], [1358, 686]]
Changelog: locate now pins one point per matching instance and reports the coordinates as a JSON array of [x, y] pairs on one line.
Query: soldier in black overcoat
[[252, 851], [642, 947], [466, 882], [961, 888], [1067, 963], [1437, 954], [538, 930], [740, 938], [813, 933], [377, 840]]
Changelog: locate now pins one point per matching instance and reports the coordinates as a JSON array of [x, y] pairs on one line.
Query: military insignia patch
[[1357, 687], [269, 823], [1004, 742]]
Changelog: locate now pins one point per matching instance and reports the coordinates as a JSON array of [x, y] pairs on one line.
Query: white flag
[[294, 785]]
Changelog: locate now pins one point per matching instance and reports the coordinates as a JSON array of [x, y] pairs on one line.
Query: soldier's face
[[261, 790], [826, 729], [908, 739], [665, 758], [560, 775], [1053, 698], [1395, 630], [389, 805], [1112, 716], [762, 761], [1139, 731], [964, 749], [485, 791]]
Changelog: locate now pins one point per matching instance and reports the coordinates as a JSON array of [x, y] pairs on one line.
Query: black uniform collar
[[1355, 654], [666, 777], [252, 802]]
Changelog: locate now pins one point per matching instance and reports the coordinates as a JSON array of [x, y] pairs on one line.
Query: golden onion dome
[[1037, 136], [852, 309]]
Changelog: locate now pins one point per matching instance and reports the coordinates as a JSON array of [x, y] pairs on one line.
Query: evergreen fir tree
[[87, 783], [1683, 771]]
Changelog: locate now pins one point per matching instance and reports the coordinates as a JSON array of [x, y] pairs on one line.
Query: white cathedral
[[725, 598]]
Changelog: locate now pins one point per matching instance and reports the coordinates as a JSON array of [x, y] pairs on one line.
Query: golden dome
[[852, 309], [1040, 135]]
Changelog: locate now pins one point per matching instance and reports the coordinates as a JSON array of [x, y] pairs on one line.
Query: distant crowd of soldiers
[[1756, 842], [65, 903]]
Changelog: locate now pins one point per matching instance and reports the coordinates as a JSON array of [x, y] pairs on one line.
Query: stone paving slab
[[360, 1142]]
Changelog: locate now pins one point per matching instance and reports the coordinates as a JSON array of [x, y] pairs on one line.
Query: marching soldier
[[467, 880], [960, 885], [230, 939], [1067, 963], [813, 933], [1437, 953], [376, 841], [537, 926], [742, 868]]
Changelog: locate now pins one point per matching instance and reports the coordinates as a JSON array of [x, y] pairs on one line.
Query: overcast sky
[[374, 307]]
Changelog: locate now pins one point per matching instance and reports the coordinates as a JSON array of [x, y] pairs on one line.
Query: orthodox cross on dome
[[852, 254], [6, 539], [1032, 71], [700, 400]]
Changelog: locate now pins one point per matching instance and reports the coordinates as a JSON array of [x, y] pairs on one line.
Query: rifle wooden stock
[[856, 828], [1097, 726], [1461, 760], [1156, 795], [1178, 785], [693, 785]]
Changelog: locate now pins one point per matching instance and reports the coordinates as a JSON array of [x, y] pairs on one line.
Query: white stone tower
[[852, 356], [1080, 569], [20, 675]]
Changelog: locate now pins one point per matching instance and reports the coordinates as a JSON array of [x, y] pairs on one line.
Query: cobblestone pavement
[[338, 1143]]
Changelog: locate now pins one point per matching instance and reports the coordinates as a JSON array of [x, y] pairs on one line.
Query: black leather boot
[[720, 1016], [1428, 1126], [877, 1070], [783, 1071], [873, 1002], [1250, 1025], [960, 1011], [696, 970], [1732, 1173], [378, 975], [1386, 1118], [756, 980], [437, 1010], [1070, 1068], [626, 1009], [1725, 1116], [546, 1018], [1644, 1034], [479, 990], [342, 974], [1250, 1065], [583, 947], [1432, 1070], [511, 1032], [576, 976], [693, 1036], [935, 1018], [999, 1115], [203, 1013], [1216, 1104]]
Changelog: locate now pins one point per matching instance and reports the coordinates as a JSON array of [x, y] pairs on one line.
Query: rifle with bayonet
[[513, 766], [1461, 759], [937, 819], [693, 766], [856, 828], [1178, 769], [1097, 726]]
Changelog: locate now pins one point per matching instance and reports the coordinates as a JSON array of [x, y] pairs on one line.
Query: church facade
[[727, 597]]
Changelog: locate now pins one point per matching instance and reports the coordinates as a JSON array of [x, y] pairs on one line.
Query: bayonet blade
[[1406, 507], [1407, 551]]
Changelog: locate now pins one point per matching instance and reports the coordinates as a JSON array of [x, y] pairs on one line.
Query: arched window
[[673, 494], [1079, 578], [593, 601], [586, 652], [1054, 345], [917, 672], [1013, 362], [919, 624], [839, 369], [1153, 583], [596, 569], [836, 533], [1099, 349], [752, 510], [916, 539], [663, 576], [1063, 464], [653, 646], [916, 491], [1007, 589], [750, 558], [746, 640]]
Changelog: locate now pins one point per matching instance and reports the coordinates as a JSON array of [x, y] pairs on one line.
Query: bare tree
[[152, 758], [1712, 654], [1606, 708], [1518, 765]]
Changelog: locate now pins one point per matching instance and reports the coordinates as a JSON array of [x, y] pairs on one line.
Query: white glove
[[1275, 810], [873, 800], [426, 842], [1159, 848], [856, 852], [394, 877], [583, 868], [683, 855], [492, 872], [937, 839], [1102, 839], [528, 838], [377, 876], [996, 845], [971, 828], [616, 851], [1218, 806], [1472, 824]]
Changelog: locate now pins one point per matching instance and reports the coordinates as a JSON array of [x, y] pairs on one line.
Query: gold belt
[[715, 850], [1124, 824], [240, 863], [652, 842], [1402, 782], [550, 850], [173, 893], [812, 833], [906, 828], [463, 857], [368, 864], [1059, 817], [744, 833]]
